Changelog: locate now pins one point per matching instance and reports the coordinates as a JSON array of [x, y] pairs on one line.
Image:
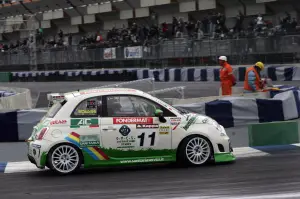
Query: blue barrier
[[9, 127], [235, 111]]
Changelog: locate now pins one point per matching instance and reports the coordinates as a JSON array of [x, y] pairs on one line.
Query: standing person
[[252, 81], [226, 76]]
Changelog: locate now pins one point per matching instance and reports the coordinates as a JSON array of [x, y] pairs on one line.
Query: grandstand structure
[[83, 17]]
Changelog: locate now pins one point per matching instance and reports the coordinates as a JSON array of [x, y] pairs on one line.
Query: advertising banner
[[133, 52], [109, 53]]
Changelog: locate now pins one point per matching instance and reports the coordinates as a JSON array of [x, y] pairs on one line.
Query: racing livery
[[121, 126]]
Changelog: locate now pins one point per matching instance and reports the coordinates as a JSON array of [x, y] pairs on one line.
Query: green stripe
[[74, 126]]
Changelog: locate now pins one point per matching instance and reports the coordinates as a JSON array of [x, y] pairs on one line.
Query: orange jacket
[[226, 75], [252, 84]]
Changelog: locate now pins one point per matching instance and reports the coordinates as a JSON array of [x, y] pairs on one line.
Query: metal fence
[[239, 50]]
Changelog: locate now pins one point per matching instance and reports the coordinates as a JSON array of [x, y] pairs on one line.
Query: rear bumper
[[33, 161], [36, 155]]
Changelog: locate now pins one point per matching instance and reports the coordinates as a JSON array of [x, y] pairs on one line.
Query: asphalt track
[[275, 176], [249, 178]]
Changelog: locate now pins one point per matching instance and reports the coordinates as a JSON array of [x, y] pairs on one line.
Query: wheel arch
[[65, 143], [193, 134]]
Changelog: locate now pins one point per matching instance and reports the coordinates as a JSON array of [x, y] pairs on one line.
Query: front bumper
[[224, 150]]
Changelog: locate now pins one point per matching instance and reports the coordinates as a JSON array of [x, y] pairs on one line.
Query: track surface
[[250, 176], [272, 175]]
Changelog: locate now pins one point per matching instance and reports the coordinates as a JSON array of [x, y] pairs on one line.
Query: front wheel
[[195, 150], [64, 159]]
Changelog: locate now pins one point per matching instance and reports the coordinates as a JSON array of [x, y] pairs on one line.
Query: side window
[[133, 106], [91, 107]]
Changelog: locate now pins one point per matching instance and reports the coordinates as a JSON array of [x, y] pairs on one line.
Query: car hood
[[195, 118]]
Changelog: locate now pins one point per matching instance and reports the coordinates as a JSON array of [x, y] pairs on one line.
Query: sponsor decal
[[36, 146], [190, 122], [164, 130], [89, 141], [142, 160], [78, 123], [124, 130], [133, 120], [147, 126], [95, 152], [175, 121], [88, 112], [175, 127], [91, 104], [58, 122], [163, 133], [125, 142], [104, 91]]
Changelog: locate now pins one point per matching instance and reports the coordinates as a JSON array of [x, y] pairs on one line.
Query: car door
[[85, 124], [129, 131]]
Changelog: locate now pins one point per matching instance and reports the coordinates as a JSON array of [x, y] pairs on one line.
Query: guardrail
[[21, 100]]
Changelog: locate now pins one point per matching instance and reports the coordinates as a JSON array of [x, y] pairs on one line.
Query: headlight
[[213, 122]]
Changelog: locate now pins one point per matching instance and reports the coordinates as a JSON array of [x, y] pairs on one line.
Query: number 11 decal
[[142, 138]]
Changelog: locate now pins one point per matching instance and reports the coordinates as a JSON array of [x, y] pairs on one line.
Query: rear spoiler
[[55, 97]]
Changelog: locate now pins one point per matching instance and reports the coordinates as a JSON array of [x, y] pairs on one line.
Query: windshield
[[182, 110], [54, 109]]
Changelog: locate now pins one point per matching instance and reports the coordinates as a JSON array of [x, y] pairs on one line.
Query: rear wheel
[[64, 159], [195, 150]]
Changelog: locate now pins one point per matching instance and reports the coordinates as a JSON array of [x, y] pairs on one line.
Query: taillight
[[42, 133]]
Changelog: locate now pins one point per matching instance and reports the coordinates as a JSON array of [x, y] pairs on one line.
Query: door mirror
[[160, 114]]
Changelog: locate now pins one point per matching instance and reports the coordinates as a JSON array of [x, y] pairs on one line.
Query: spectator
[[213, 26]]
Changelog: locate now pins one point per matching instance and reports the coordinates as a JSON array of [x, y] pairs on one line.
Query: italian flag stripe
[[94, 125]]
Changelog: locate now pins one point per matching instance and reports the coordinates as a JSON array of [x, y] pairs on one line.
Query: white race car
[[122, 126]]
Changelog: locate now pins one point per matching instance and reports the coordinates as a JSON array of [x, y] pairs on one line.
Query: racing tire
[[64, 159], [190, 152]]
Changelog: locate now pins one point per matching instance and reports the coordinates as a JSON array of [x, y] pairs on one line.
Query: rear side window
[[54, 109], [91, 107]]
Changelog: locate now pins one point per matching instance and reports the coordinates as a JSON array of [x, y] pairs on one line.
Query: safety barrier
[[17, 125], [21, 99], [233, 111], [261, 135], [194, 74]]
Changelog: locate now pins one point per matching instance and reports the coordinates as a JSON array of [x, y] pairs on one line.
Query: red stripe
[[101, 153], [94, 125], [75, 134]]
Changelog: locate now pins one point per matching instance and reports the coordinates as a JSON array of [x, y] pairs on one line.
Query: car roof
[[88, 93]]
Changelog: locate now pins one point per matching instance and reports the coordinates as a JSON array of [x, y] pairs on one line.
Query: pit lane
[[254, 176]]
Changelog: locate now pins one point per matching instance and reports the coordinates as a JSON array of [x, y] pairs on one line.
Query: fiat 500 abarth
[[120, 126]]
